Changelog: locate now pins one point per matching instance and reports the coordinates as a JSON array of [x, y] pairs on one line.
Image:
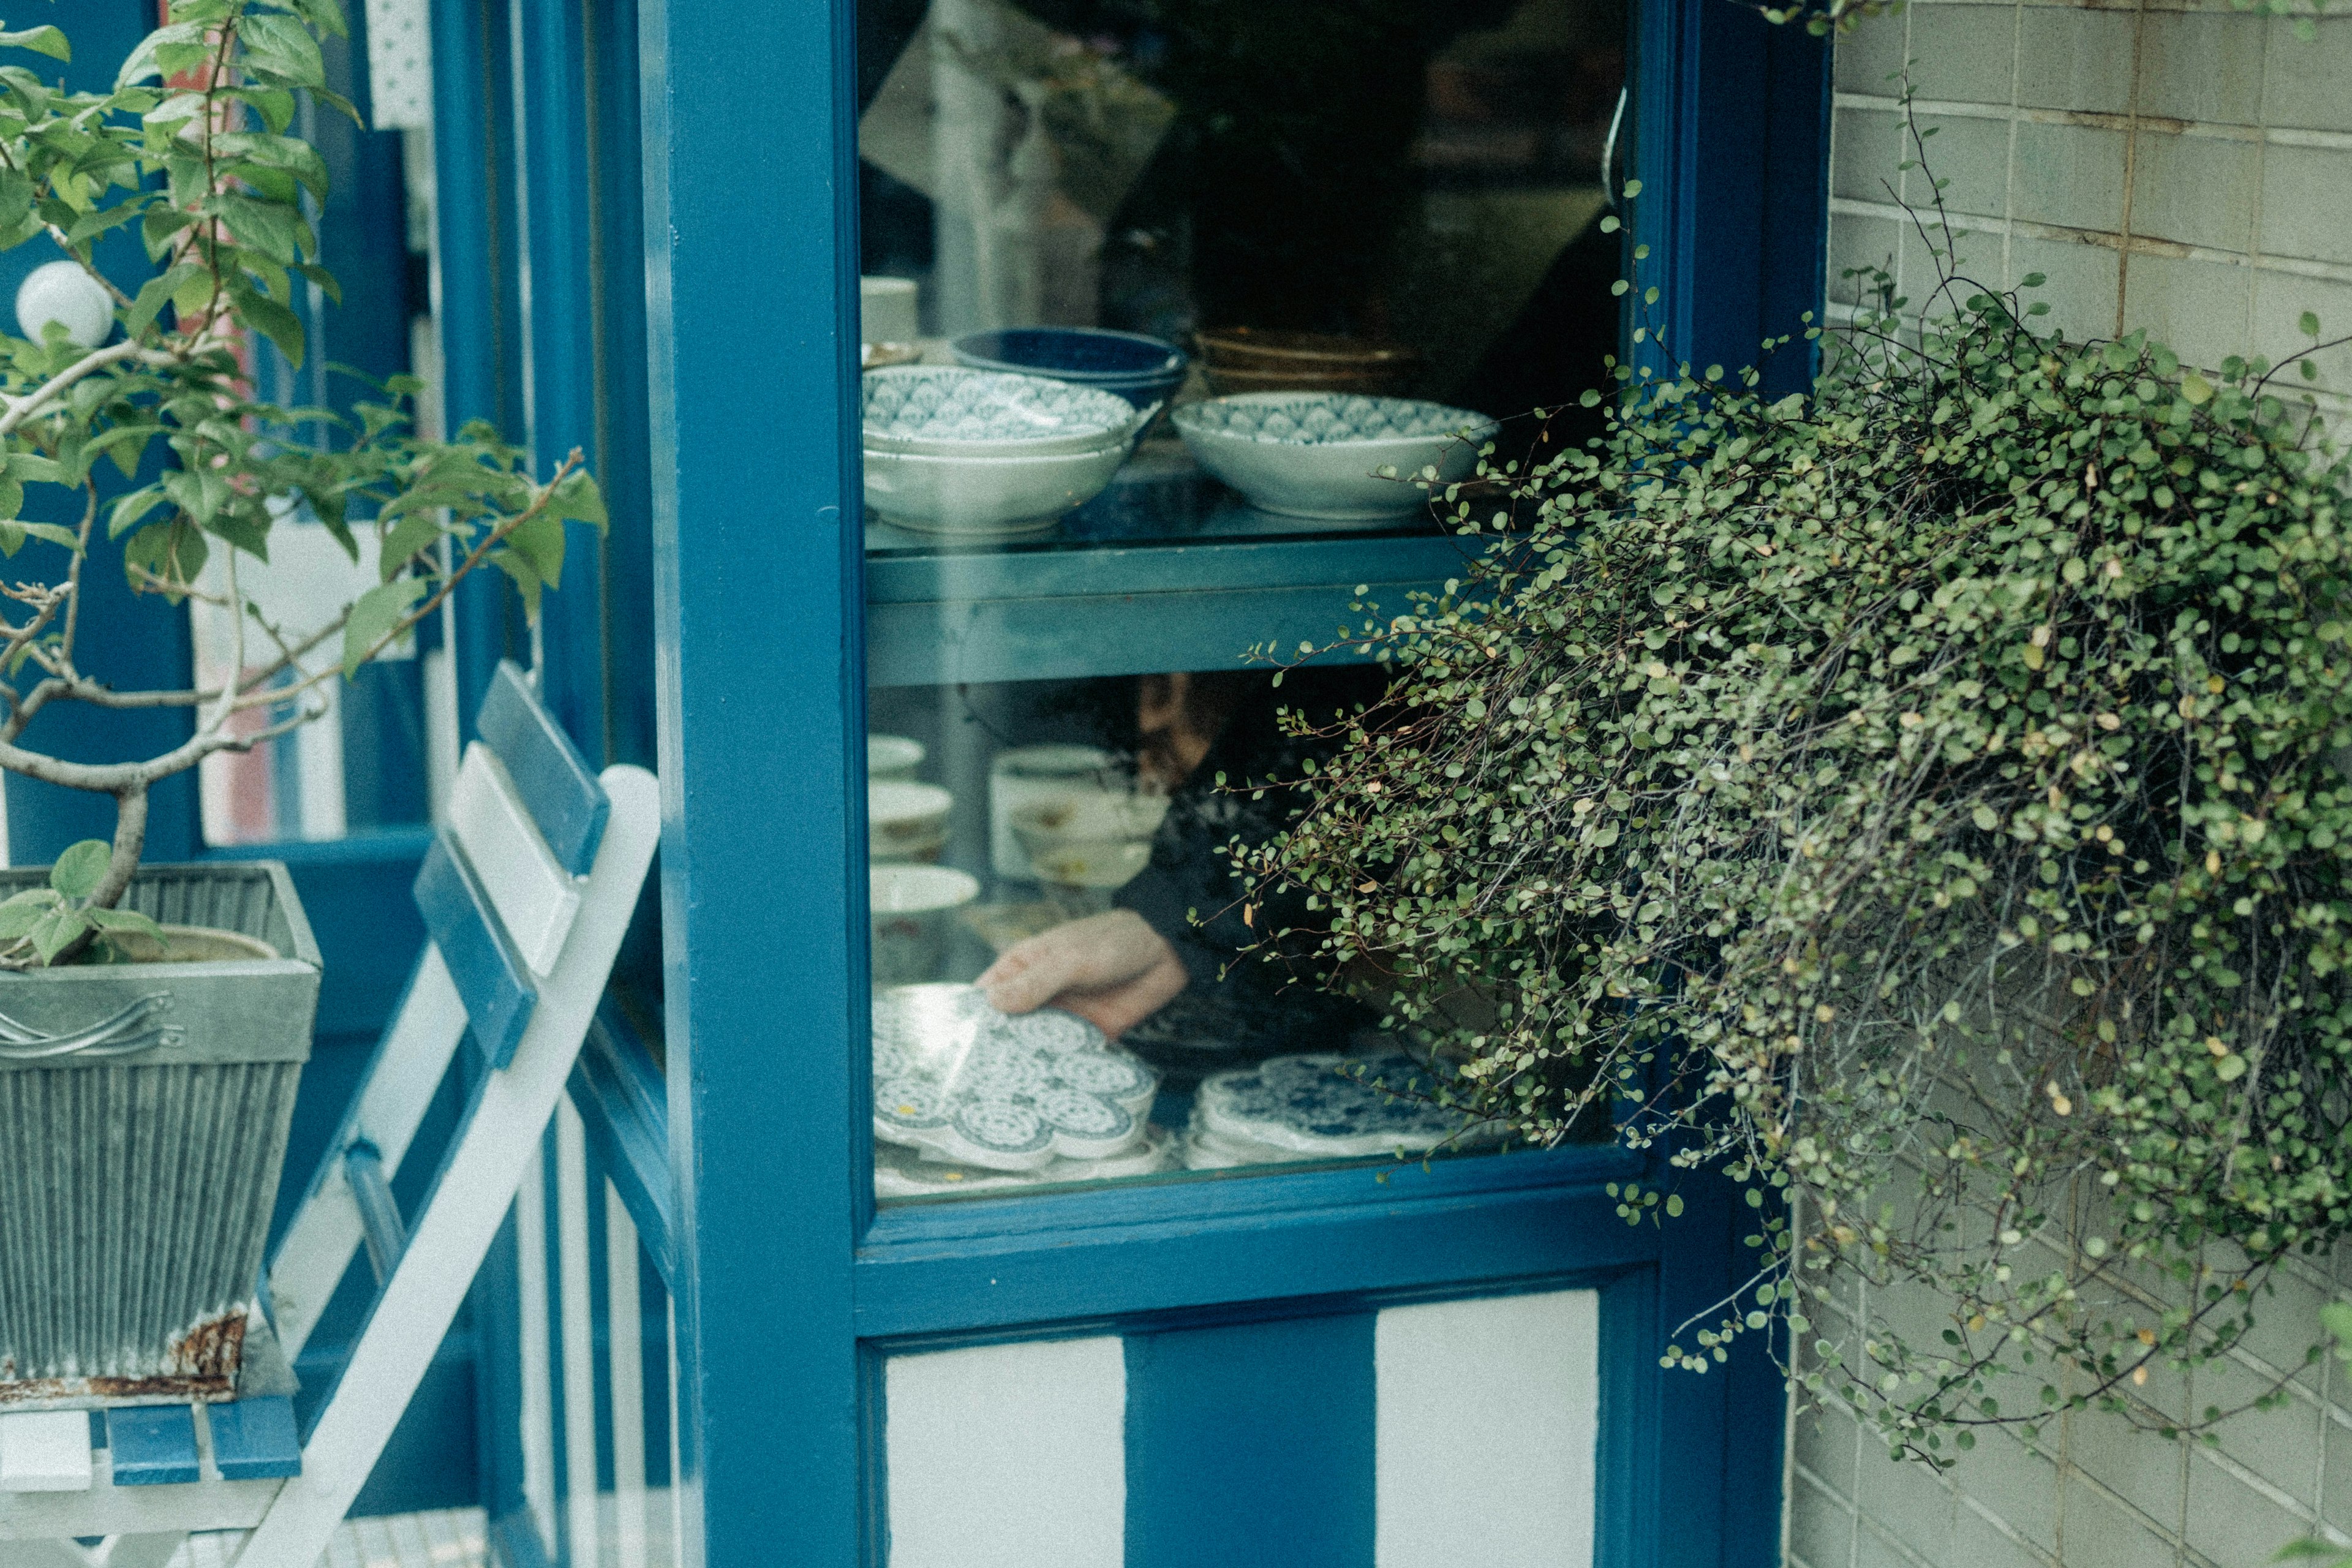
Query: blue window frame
[[649, 248]]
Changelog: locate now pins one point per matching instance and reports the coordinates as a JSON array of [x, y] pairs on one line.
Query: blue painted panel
[[1252, 1443], [620, 1096], [491, 976], [933, 1268], [254, 1439], [152, 1445], [549, 772]]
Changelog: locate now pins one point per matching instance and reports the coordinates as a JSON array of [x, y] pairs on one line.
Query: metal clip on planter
[[526, 894], [120, 1035]]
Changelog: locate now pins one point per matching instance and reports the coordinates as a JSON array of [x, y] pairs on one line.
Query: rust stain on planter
[[200, 1364]]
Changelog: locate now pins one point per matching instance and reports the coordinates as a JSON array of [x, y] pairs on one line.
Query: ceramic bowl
[[1142, 370], [1322, 454], [892, 757], [984, 496], [937, 410], [911, 907], [1093, 813], [1024, 775], [906, 821], [1252, 359]]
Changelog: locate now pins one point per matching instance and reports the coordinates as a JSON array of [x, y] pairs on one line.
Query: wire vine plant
[[1922, 800]]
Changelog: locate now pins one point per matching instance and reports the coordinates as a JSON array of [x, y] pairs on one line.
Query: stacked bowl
[[1260, 359], [953, 450], [1145, 371]]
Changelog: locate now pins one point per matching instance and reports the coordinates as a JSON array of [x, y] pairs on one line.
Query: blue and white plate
[[950, 411], [905, 1173], [1323, 1106], [1335, 456], [955, 1078]]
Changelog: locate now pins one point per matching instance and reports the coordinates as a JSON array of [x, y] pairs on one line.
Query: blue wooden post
[[558, 150], [751, 264]]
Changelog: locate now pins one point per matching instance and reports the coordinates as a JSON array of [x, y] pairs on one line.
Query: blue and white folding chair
[[526, 894]]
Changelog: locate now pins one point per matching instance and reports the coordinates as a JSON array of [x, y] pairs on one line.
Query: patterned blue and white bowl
[[1140, 369], [943, 411], [1334, 457]]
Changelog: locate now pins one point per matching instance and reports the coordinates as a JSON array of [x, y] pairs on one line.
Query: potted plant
[[1923, 800], [153, 1019]]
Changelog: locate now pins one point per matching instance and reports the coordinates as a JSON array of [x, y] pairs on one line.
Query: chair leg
[[139, 1550]]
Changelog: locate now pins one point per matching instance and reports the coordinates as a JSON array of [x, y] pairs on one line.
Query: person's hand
[[1112, 970]]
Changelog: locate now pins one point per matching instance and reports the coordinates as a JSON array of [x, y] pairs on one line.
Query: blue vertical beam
[[750, 263], [558, 148], [1252, 1443], [478, 298], [1731, 143]]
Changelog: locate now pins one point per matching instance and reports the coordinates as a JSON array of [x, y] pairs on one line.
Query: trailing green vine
[[1923, 800]]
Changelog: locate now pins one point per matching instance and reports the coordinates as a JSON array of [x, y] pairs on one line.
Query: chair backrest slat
[[551, 777], [491, 976], [535, 897]]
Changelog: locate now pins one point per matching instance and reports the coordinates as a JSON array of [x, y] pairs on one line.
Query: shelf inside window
[[1165, 569]]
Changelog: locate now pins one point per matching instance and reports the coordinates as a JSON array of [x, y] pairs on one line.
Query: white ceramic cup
[[906, 821], [911, 907], [892, 757], [889, 309], [1025, 775]]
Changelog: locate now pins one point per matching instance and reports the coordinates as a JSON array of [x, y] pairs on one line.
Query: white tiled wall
[[2189, 172], [2185, 171]]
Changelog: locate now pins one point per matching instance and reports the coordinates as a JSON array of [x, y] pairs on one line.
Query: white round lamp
[[61, 291]]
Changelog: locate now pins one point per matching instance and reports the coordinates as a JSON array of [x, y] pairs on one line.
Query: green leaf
[[125, 920], [41, 40], [2310, 323], [56, 930], [2196, 389], [270, 318], [373, 615], [414, 531], [576, 497], [81, 867], [539, 541], [155, 293], [20, 913]]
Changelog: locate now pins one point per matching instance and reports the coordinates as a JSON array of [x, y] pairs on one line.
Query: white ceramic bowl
[[1024, 775], [911, 907], [892, 757], [906, 821], [938, 410], [1093, 813], [1329, 455], [985, 496]]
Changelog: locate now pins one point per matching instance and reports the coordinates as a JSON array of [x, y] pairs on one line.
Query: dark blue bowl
[[1140, 369]]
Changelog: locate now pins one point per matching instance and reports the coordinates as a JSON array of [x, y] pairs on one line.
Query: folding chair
[[525, 893]]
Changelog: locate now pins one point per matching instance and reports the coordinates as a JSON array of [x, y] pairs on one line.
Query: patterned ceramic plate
[[1326, 418], [905, 1173], [1010, 1092], [947, 411], [1317, 1106]]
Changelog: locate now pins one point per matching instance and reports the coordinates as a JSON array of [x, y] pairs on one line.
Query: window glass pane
[[1162, 295]]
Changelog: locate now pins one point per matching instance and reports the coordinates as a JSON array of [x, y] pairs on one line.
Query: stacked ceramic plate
[[1321, 1107], [976, 453], [1033, 1096], [1333, 456]]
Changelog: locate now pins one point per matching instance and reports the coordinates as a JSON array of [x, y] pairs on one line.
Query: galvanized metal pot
[[144, 1112]]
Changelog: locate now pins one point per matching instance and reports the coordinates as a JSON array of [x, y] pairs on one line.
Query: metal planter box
[[140, 1157]]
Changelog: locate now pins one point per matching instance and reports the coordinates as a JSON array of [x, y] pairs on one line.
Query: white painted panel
[[1009, 1455], [537, 1415], [1488, 1413], [577, 1315], [627, 1351], [535, 897], [44, 1451]]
